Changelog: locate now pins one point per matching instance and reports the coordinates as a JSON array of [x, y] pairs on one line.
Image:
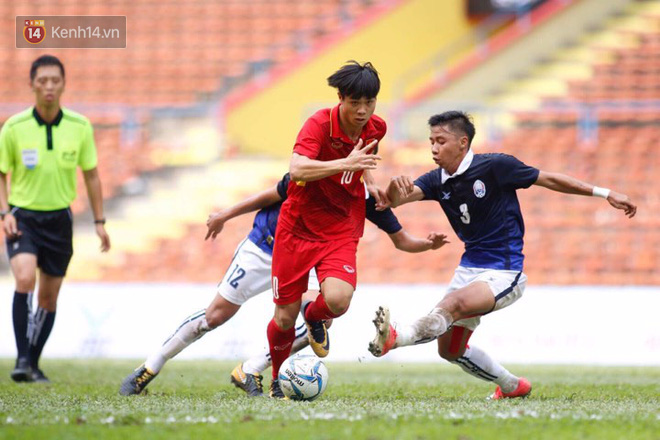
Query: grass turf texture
[[193, 399]]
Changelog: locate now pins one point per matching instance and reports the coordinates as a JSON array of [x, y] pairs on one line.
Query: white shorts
[[248, 274], [507, 287]]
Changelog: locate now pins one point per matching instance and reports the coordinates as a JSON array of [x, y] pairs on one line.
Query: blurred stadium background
[[202, 108]]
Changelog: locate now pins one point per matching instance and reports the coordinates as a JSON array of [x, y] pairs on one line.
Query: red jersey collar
[[336, 131]]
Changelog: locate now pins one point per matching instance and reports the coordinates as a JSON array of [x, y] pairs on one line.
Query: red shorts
[[293, 258]]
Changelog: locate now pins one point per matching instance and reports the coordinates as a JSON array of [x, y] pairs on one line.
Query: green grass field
[[193, 399]]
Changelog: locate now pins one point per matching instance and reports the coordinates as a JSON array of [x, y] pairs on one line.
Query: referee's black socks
[[21, 313], [42, 324]]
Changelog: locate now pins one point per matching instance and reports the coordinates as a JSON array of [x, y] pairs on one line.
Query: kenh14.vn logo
[[34, 31]]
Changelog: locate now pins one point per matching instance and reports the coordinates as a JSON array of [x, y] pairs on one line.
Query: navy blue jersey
[[265, 222], [483, 209], [385, 220]]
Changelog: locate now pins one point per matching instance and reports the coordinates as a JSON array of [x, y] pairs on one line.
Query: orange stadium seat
[[175, 56], [164, 36], [578, 241], [568, 241]]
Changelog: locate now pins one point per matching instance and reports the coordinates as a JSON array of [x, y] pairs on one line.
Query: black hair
[[356, 80], [45, 60], [457, 121]]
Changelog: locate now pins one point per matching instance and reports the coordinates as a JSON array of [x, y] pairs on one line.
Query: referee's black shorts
[[46, 234]]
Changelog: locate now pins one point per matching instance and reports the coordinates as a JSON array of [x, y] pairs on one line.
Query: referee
[[41, 148]]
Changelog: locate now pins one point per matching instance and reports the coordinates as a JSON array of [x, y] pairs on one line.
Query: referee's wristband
[[100, 221], [3, 214], [601, 192]]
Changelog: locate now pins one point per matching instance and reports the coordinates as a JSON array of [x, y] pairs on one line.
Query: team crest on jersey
[[337, 145], [479, 188], [30, 158]]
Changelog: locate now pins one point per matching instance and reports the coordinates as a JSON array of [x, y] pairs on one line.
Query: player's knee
[[214, 317], [339, 303], [25, 281], [339, 308], [457, 306], [285, 322], [450, 354], [285, 317]]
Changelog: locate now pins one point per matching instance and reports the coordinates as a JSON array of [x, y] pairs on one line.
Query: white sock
[[425, 329], [260, 363], [193, 328], [479, 364]]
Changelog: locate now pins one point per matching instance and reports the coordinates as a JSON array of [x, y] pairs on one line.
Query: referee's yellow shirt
[[42, 158]]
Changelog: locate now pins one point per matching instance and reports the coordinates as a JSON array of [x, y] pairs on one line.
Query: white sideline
[[592, 325]]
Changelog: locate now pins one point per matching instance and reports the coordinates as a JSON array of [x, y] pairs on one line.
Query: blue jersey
[[265, 222], [481, 204]]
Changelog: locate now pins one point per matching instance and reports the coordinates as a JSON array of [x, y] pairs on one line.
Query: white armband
[[600, 192]]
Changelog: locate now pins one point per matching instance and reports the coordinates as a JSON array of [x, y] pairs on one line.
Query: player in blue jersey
[[249, 274], [477, 192]]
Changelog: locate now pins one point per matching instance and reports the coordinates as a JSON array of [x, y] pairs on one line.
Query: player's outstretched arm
[[408, 243], [304, 169], [217, 220], [570, 185], [400, 191]]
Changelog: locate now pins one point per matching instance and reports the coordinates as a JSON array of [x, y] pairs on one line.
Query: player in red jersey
[[323, 217]]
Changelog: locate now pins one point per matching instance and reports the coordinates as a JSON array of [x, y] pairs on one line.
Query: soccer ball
[[303, 377]]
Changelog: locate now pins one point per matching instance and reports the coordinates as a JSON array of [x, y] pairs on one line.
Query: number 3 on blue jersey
[[465, 218], [233, 280]]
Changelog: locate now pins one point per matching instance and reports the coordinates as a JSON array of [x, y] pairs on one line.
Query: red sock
[[280, 342], [319, 310]]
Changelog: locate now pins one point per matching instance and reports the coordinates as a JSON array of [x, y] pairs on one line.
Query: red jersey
[[333, 207]]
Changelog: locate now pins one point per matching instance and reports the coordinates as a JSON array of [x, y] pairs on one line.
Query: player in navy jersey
[[248, 275], [477, 192]]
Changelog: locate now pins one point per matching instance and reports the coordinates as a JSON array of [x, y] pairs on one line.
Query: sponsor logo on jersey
[[479, 188], [349, 269], [446, 195], [337, 145]]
